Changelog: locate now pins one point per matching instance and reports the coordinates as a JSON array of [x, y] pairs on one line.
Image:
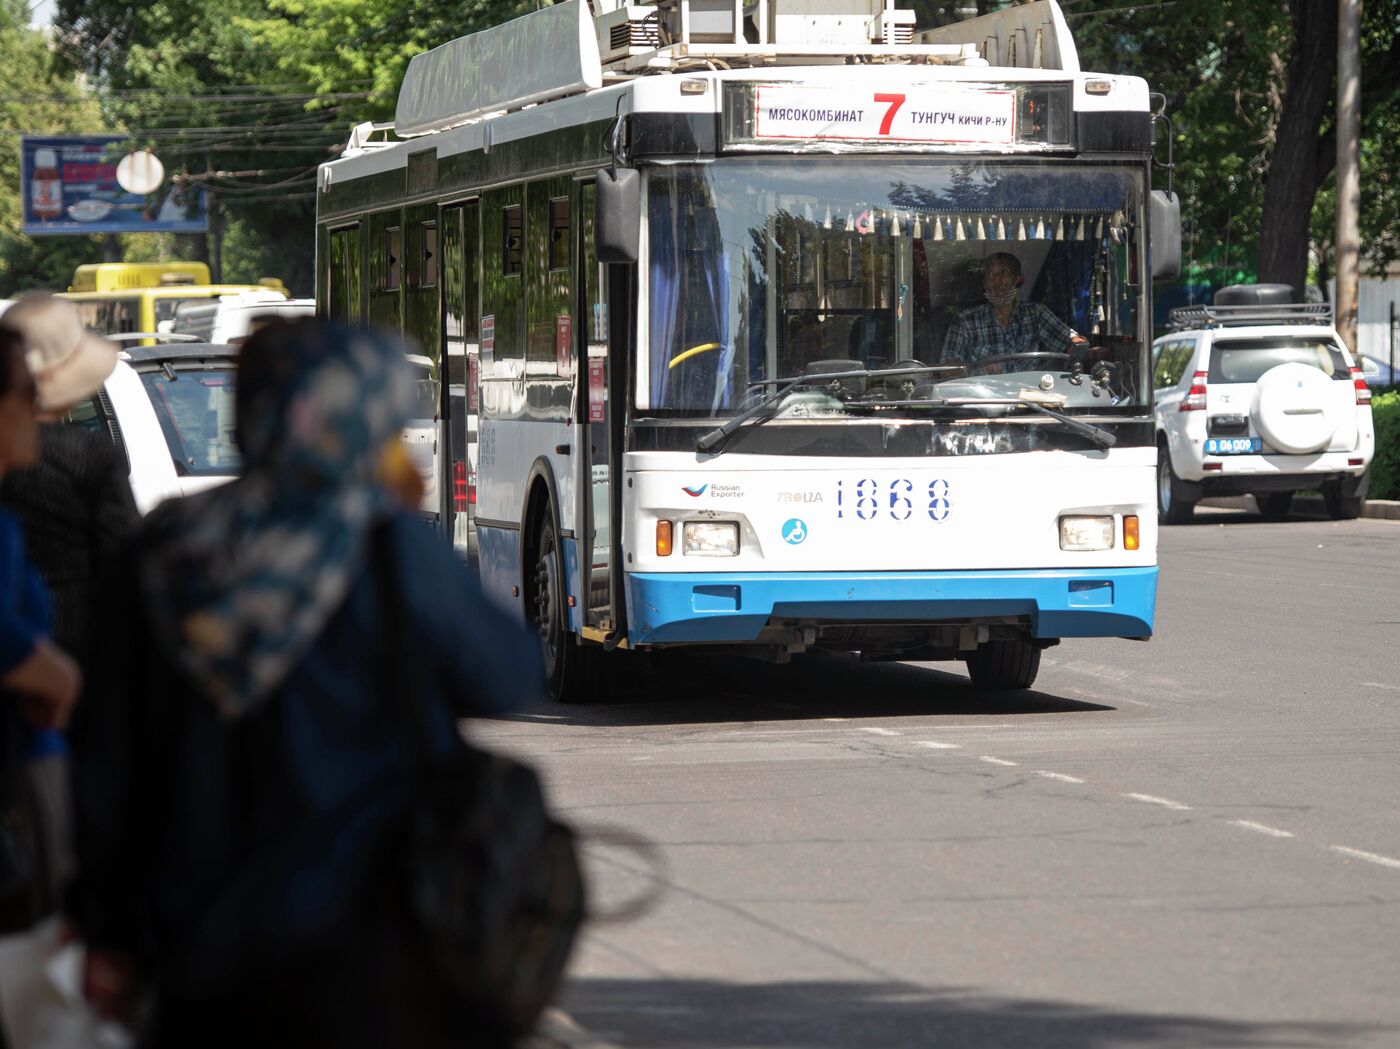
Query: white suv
[[169, 410], [1258, 396]]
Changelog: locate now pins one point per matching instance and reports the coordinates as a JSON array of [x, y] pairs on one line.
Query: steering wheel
[[1004, 358], [704, 347]]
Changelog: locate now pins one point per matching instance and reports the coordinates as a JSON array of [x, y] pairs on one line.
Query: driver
[[1003, 324]]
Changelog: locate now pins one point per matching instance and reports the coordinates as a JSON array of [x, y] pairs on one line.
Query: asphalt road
[[1193, 841]]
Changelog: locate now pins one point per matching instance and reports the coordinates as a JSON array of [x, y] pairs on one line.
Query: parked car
[[1257, 396], [1378, 372], [169, 410], [232, 318]]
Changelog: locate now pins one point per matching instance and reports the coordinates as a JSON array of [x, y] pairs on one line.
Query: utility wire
[[1121, 10], [180, 96]]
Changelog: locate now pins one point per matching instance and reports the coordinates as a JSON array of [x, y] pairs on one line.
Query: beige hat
[[69, 363]]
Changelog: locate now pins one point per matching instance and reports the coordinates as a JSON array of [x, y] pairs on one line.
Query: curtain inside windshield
[[767, 268]]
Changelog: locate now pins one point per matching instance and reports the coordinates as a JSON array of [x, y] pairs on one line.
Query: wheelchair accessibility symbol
[[794, 531]]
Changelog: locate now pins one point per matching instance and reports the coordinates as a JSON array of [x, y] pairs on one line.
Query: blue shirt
[[1033, 328], [26, 616]]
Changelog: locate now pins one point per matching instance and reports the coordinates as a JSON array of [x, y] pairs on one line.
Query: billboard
[[70, 186]]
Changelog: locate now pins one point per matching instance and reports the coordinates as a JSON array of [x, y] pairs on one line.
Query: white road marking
[[1272, 832], [997, 761], [1166, 803], [932, 745], [1369, 857], [877, 731], [836, 719], [1060, 776], [1377, 684]]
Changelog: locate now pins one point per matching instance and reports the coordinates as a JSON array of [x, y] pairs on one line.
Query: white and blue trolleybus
[[775, 326]]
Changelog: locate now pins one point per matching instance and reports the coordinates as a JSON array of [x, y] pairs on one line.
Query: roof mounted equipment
[[1311, 313]]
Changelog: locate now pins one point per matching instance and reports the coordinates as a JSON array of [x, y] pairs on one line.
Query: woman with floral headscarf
[[242, 714]]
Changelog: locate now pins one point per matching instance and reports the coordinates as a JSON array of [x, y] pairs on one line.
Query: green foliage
[[1222, 68], [1385, 467], [246, 97], [35, 98], [196, 84]]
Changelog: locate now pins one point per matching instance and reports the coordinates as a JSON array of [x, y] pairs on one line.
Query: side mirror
[[617, 218], [1165, 248]]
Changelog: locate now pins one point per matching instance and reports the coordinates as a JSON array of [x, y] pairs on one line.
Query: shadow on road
[[681, 688], [689, 1014], [1230, 516]]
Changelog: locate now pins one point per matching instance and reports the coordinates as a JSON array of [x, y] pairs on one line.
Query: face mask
[[1001, 300]]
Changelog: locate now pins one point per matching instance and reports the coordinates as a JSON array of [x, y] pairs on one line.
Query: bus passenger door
[[342, 298], [458, 238], [592, 417]]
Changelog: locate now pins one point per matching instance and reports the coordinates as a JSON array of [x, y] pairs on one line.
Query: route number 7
[[895, 101]]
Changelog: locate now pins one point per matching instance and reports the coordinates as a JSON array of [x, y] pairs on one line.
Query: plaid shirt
[[1033, 328]]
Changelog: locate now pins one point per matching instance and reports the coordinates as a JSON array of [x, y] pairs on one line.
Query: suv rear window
[[1246, 360], [195, 409]]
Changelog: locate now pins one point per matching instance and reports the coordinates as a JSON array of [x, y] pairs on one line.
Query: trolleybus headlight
[[710, 539], [1086, 533]]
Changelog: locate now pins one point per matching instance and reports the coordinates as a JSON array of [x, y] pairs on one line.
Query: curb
[[1312, 506]]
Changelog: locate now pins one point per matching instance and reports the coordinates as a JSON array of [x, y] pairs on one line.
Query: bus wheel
[[570, 668], [1004, 664]]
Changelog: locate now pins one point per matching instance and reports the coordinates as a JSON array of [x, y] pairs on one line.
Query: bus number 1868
[[866, 499]]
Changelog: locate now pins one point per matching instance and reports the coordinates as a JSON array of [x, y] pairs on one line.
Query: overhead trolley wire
[[251, 93]]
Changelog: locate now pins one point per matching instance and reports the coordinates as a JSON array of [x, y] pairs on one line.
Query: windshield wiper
[[1096, 434], [711, 441]]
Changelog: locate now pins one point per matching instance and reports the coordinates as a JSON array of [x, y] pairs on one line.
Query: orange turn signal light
[[663, 538], [1131, 541]]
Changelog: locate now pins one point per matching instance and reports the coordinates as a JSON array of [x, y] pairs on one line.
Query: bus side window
[[548, 285], [393, 257], [122, 315], [593, 276], [343, 283], [385, 262], [503, 236]]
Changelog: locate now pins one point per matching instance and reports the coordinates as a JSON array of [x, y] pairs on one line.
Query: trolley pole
[[1348, 167]]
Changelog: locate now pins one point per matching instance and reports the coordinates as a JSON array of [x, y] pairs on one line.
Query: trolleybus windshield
[[760, 270]]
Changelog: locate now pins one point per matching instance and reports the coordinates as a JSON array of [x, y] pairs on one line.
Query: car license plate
[[1232, 445]]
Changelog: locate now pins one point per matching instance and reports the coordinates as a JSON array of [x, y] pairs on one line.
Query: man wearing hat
[[75, 504]]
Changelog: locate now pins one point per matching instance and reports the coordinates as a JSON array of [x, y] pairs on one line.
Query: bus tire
[[999, 665], [572, 668]]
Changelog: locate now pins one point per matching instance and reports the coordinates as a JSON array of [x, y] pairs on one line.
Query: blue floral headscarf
[[241, 580]]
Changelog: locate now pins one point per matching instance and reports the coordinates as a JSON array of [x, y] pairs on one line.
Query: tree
[[1294, 166], [190, 81], [1250, 87], [35, 98]]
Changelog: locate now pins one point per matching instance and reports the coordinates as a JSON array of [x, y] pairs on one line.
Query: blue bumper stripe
[[665, 608]]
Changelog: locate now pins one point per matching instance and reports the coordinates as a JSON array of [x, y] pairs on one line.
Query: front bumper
[[699, 608]]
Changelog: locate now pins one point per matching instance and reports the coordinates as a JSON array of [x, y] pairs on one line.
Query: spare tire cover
[[1295, 408]]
